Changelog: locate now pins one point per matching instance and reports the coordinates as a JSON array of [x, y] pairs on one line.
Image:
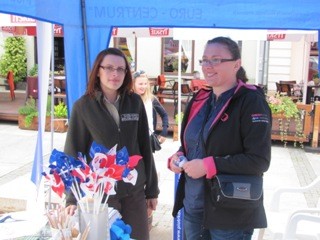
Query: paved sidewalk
[[289, 167]]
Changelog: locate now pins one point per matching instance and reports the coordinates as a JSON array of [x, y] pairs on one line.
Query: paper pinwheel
[[90, 182]]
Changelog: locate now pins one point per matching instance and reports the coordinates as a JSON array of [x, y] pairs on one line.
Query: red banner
[[19, 19], [159, 32], [31, 31], [279, 36], [114, 31]]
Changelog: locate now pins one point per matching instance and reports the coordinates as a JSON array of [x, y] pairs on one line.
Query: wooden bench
[[59, 97], [169, 93]]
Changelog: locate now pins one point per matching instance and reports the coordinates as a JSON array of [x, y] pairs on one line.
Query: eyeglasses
[[138, 73], [110, 69], [214, 61]]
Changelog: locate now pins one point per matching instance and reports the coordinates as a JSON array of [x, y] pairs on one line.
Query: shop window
[[128, 46], [59, 63], [313, 61], [314, 50], [170, 54], [59, 56]]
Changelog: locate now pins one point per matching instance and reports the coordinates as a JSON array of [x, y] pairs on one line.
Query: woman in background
[[153, 107]]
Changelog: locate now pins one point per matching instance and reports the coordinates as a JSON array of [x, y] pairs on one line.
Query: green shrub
[[34, 71], [178, 118], [60, 110], [29, 110], [14, 58]]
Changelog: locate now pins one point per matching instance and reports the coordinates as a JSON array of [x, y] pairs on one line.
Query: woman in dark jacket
[[224, 130], [110, 113]]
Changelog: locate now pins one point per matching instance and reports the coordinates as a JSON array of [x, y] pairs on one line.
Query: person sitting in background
[[141, 86]]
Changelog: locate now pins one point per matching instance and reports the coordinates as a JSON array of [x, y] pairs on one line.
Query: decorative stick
[[77, 197], [51, 221], [85, 233]]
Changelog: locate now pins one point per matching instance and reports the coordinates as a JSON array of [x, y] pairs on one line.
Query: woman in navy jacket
[[224, 130]]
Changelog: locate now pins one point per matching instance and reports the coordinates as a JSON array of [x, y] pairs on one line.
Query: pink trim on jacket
[[210, 166]]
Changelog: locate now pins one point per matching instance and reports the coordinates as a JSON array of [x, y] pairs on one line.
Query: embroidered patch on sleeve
[[129, 117], [259, 117]]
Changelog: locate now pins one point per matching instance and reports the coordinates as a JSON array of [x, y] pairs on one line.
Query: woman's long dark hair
[[234, 50], [94, 80]]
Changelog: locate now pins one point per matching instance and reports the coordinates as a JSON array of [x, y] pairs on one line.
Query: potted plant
[[28, 115], [14, 58], [32, 82], [315, 79], [33, 71], [60, 117], [287, 119]]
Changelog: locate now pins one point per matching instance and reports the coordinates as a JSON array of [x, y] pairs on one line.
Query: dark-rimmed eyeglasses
[[110, 69], [138, 73], [214, 61]]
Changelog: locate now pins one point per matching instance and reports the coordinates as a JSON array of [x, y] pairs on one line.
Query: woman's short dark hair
[[234, 50], [94, 80]]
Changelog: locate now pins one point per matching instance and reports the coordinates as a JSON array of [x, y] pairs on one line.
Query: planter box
[[32, 87], [34, 123], [286, 129], [175, 133], [291, 125], [59, 124]]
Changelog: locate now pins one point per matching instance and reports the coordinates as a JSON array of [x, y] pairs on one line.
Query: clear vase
[[58, 234], [98, 223]]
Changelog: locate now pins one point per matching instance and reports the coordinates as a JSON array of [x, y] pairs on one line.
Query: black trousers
[[133, 209]]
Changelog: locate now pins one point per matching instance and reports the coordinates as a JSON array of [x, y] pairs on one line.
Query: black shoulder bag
[[236, 191], [155, 143]]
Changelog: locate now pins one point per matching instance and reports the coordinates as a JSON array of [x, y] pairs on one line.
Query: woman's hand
[[152, 203], [70, 210], [161, 139], [195, 168], [174, 168]]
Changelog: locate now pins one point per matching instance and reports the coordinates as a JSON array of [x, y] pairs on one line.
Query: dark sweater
[[91, 121]]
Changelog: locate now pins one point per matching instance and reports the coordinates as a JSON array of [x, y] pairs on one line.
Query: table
[[60, 82], [60, 89]]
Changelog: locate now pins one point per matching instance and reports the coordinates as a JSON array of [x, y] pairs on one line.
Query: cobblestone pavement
[[289, 167], [306, 173]]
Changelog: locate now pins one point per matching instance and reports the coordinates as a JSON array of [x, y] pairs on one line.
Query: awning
[[18, 25], [142, 32], [244, 34], [29, 30]]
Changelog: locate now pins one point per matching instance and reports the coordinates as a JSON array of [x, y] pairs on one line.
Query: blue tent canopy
[[88, 25], [101, 16]]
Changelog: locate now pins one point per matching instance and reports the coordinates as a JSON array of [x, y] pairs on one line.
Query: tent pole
[[179, 85], [85, 33], [318, 52], [52, 109], [52, 90]]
